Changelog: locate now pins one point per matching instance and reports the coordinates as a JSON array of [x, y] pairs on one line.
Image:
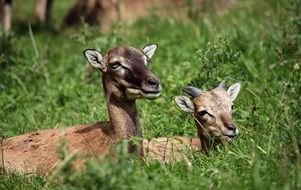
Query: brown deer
[[212, 113], [125, 78], [106, 12]]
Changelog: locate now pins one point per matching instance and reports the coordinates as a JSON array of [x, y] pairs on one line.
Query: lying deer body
[[125, 79]]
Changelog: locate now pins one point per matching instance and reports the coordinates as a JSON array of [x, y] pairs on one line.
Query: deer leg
[[43, 10], [5, 14], [76, 12]]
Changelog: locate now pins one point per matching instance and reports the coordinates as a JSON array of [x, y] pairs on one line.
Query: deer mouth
[[133, 93], [230, 133], [155, 93]]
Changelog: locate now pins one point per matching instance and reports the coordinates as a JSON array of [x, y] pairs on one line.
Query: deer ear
[[223, 84], [233, 91], [149, 50], [95, 59], [184, 103]]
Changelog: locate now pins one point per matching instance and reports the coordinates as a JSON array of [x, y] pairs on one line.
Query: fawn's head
[[125, 72], [212, 110]]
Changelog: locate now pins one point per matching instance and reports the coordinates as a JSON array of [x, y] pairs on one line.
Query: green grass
[[51, 86]]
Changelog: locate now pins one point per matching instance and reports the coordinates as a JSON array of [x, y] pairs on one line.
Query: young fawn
[[125, 78], [212, 113]]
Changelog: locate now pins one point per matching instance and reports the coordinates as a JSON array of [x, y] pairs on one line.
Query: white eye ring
[[115, 65]]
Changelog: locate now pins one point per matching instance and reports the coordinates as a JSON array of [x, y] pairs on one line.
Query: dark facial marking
[[135, 73], [204, 112]]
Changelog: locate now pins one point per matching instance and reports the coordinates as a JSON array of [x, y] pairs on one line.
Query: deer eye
[[203, 113], [115, 65]]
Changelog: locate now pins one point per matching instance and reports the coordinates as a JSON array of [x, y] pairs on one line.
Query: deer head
[[125, 73], [212, 110]]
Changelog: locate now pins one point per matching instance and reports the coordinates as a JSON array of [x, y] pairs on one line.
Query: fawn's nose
[[231, 126]]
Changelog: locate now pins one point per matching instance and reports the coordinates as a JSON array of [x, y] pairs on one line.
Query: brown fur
[[168, 149], [38, 151]]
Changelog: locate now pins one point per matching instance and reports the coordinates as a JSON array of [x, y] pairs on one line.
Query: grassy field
[[46, 83]]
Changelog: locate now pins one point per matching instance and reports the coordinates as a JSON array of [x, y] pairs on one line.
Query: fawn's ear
[[184, 103], [192, 91], [233, 91], [95, 59], [223, 85], [150, 50]]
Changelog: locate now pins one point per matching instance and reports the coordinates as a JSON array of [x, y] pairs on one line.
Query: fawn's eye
[[115, 65], [203, 113]]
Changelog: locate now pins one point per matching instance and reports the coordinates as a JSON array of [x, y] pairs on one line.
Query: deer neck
[[123, 115], [206, 144], [124, 119]]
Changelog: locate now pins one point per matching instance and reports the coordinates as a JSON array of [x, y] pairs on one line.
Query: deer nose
[[153, 82], [231, 126]]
